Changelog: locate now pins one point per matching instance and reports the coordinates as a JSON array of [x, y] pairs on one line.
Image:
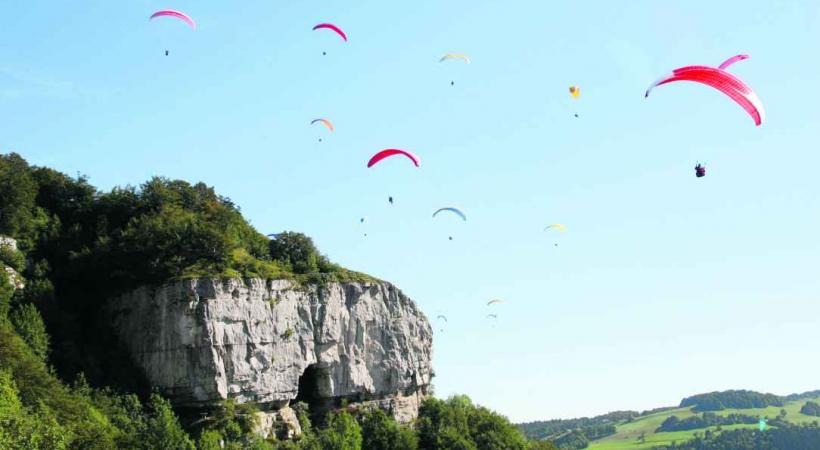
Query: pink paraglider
[[392, 152], [176, 14], [330, 26], [721, 80]]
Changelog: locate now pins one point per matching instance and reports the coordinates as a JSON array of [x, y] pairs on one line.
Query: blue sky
[[665, 285]]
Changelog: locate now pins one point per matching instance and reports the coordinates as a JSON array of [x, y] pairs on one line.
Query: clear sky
[[663, 286]]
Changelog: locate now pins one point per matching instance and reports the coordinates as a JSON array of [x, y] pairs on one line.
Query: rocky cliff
[[272, 342]]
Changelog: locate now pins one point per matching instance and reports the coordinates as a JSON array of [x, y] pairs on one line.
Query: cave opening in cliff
[[314, 384]]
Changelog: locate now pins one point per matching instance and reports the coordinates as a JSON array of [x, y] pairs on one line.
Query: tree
[[6, 293], [18, 190], [342, 433], [810, 409], [163, 429], [29, 325], [209, 440], [458, 424], [295, 250], [380, 432]]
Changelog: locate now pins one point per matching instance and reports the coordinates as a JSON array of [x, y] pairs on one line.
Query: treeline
[[784, 437], [717, 401], [574, 434], [673, 423], [803, 396], [581, 437]]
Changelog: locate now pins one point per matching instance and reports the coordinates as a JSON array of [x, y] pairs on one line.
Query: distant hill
[[718, 401], [652, 429]]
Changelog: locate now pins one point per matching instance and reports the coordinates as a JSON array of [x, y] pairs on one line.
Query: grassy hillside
[[627, 434]]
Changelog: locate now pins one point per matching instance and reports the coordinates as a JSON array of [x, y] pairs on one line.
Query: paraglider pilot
[[700, 171]]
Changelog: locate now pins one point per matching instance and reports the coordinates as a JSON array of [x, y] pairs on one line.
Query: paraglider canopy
[[175, 14], [460, 56], [378, 157], [324, 122], [719, 78], [455, 211], [494, 301], [557, 226], [330, 26]]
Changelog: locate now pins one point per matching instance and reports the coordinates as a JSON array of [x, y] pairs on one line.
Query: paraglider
[[390, 199], [455, 211], [575, 92], [330, 26], [719, 78], [732, 60], [175, 14], [700, 171], [324, 122], [328, 124], [441, 317], [456, 56], [460, 56], [392, 152], [495, 301], [556, 226]]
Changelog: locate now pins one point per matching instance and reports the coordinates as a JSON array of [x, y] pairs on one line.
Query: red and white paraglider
[[720, 79]]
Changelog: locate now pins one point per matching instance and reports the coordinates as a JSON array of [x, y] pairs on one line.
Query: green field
[[626, 435]]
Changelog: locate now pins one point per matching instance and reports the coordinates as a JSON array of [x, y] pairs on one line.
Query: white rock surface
[[201, 341]]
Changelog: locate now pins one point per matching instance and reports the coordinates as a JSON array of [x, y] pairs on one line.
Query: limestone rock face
[[204, 340]]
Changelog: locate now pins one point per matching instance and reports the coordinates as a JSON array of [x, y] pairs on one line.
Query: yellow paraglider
[[460, 56], [575, 91], [557, 226]]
